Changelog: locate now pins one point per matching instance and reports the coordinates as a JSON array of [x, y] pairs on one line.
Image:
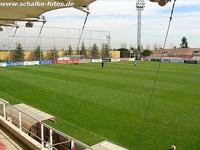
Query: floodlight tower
[[108, 37], [140, 4]]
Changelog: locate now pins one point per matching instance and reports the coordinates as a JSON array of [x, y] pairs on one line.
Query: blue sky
[[120, 18]]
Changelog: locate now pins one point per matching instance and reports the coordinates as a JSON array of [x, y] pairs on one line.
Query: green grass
[[92, 104]]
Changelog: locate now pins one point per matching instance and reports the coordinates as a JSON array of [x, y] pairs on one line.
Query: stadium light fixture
[[29, 24], [161, 2]]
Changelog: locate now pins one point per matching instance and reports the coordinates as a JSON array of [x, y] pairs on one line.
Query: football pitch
[[94, 104]]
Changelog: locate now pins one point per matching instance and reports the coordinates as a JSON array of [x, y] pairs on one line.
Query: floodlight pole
[[140, 4], [108, 37], [42, 135], [100, 46], [51, 138]]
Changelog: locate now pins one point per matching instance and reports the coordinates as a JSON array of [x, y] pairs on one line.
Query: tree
[[105, 50], [64, 53], [95, 51], [184, 43], [146, 53], [49, 55], [89, 53], [38, 53], [52, 54], [70, 51], [55, 54], [83, 50], [124, 52], [18, 54]]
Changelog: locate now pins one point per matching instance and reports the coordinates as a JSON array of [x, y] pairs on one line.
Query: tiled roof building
[[180, 52]]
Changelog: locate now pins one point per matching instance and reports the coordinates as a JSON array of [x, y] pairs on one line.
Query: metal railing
[[15, 117]]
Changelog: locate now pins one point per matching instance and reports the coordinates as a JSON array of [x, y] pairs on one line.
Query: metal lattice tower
[[140, 4], [108, 37]]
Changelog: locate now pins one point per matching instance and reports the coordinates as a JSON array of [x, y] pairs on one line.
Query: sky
[[119, 17]]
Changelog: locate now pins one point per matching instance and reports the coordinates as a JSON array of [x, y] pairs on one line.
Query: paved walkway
[[9, 142]]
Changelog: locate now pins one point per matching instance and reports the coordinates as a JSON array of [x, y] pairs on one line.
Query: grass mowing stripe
[[34, 85], [127, 87]]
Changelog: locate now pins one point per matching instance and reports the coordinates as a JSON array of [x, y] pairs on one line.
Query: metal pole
[[100, 46], [8, 46], [139, 6], [109, 46], [139, 30], [90, 45], [51, 138], [42, 135], [54, 32], [78, 47], [54, 51], [40, 54], [67, 41]]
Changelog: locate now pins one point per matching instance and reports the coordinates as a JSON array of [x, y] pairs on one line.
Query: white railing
[[22, 125]]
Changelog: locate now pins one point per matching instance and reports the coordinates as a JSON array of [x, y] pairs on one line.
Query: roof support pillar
[[51, 138], [42, 135]]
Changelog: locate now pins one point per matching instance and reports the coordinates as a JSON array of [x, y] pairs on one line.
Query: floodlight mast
[[108, 37], [140, 4]]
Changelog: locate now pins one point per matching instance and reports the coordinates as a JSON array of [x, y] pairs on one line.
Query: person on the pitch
[[102, 64], [172, 147], [135, 63]]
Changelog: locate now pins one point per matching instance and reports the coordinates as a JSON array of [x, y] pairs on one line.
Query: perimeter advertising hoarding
[[85, 61], [165, 60], [71, 61], [46, 62], [31, 63], [131, 59], [96, 60], [173, 59], [124, 59], [106, 60], [115, 59], [190, 61], [3, 65], [15, 64], [177, 61]]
